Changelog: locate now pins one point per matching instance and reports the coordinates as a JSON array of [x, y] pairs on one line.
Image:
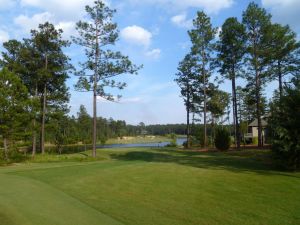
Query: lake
[[81, 148], [179, 141]]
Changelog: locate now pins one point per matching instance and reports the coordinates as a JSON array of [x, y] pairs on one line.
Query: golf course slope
[[150, 186]]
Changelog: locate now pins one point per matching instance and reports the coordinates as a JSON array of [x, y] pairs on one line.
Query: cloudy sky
[[152, 33]]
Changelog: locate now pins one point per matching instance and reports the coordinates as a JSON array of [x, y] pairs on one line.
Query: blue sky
[[152, 33]]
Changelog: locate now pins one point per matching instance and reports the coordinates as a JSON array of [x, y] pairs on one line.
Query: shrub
[[222, 139], [255, 140], [173, 142], [284, 125]]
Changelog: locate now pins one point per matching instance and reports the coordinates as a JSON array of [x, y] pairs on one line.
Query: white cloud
[[27, 23], [4, 36], [284, 11], [62, 9], [209, 6], [154, 53], [137, 35], [131, 100], [182, 21], [140, 36], [68, 29]]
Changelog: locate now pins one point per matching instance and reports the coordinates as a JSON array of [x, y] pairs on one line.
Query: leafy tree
[[231, 50], [185, 80], [13, 108], [48, 44], [217, 104], [21, 59], [96, 35], [84, 124], [285, 126], [202, 36], [257, 23]]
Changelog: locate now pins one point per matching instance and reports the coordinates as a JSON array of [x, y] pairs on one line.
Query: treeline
[[254, 50]]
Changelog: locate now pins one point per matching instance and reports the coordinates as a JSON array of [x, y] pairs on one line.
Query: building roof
[[255, 123]]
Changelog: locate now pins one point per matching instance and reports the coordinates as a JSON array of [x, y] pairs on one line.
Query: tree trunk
[[34, 131], [5, 148], [258, 113], [188, 119], [234, 119], [43, 121], [280, 80], [95, 95], [205, 122], [205, 100], [237, 126], [44, 111]]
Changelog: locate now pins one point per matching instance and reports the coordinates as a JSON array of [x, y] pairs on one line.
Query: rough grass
[[150, 186]]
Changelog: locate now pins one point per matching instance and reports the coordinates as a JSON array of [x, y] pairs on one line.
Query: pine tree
[[102, 65], [285, 52], [231, 50], [257, 23], [202, 37], [185, 80], [53, 71], [14, 103]]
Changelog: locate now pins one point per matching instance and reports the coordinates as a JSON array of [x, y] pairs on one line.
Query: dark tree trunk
[[43, 121], [205, 100], [258, 112], [34, 129], [188, 118], [280, 80], [95, 95], [237, 126], [44, 111], [5, 148]]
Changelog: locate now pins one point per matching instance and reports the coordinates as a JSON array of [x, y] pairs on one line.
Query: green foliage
[[255, 140], [14, 104], [285, 127], [173, 142], [222, 139]]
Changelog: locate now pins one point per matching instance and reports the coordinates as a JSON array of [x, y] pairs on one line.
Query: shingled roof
[[255, 123]]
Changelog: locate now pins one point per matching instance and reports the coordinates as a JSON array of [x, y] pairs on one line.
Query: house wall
[[255, 132]]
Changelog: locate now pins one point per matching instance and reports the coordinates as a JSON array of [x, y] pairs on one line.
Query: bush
[[255, 140], [284, 125], [222, 139], [173, 142]]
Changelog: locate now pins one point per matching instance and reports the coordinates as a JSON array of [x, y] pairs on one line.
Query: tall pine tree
[[102, 64], [231, 50], [202, 36]]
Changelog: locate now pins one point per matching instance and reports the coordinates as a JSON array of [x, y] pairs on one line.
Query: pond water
[[179, 141], [81, 148]]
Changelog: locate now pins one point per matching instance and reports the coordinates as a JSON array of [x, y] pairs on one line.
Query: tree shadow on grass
[[258, 162]]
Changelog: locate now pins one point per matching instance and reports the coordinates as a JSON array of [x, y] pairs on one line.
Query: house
[[253, 130]]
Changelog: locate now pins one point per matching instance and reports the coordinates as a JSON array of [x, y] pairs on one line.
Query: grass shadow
[[238, 161]]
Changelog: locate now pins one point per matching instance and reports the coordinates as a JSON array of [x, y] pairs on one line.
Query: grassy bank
[[149, 186]]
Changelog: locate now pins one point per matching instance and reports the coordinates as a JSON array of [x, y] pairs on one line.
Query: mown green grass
[[150, 186]]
